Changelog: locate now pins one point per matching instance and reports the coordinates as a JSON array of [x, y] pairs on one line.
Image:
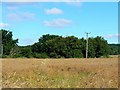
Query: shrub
[[41, 55]]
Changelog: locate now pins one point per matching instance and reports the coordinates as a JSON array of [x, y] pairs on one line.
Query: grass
[[60, 73], [44, 80]]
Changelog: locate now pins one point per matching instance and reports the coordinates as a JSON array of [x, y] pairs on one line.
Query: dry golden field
[[60, 73]]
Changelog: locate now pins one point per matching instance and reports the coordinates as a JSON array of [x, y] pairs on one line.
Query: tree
[[101, 47], [25, 51], [15, 52], [7, 41], [47, 37], [83, 46], [54, 46], [57, 46], [92, 45], [115, 49]]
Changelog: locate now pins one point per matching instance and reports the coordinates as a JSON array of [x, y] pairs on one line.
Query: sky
[[28, 21]]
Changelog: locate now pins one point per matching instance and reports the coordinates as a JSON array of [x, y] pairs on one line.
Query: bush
[[77, 54], [17, 56], [26, 52], [4, 56], [105, 56], [41, 55]]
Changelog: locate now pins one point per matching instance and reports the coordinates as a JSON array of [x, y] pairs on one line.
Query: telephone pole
[[87, 43]]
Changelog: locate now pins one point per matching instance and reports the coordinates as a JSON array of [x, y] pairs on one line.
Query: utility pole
[[87, 44]]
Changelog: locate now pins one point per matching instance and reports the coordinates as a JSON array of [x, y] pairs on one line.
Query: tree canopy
[[7, 41], [55, 46]]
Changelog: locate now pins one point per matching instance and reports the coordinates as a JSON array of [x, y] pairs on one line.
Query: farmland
[[60, 73]]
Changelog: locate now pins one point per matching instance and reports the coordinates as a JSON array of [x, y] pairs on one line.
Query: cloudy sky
[[29, 20]]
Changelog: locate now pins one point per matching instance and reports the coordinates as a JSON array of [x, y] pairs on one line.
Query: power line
[[87, 43]]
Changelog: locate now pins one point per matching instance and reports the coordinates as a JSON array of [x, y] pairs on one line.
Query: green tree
[[26, 52], [114, 49], [83, 46], [92, 45], [7, 41], [15, 52], [57, 46], [101, 47]]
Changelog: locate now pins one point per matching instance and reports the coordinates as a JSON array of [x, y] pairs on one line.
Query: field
[[60, 73]]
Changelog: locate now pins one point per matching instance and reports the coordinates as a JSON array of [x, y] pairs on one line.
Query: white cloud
[[112, 35], [57, 23], [3, 25], [21, 16], [54, 11]]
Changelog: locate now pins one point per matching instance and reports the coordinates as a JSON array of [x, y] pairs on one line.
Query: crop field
[[60, 73]]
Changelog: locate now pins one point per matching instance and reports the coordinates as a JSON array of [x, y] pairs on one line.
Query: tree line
[[55, 46]]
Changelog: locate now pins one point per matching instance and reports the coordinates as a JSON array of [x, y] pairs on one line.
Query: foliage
[[26, 51], [41, 55], [55, 46], [70, 47], [7, 41], [101, 47], [115, 49]]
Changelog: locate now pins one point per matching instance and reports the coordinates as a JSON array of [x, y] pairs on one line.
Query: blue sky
[[29, 21]]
